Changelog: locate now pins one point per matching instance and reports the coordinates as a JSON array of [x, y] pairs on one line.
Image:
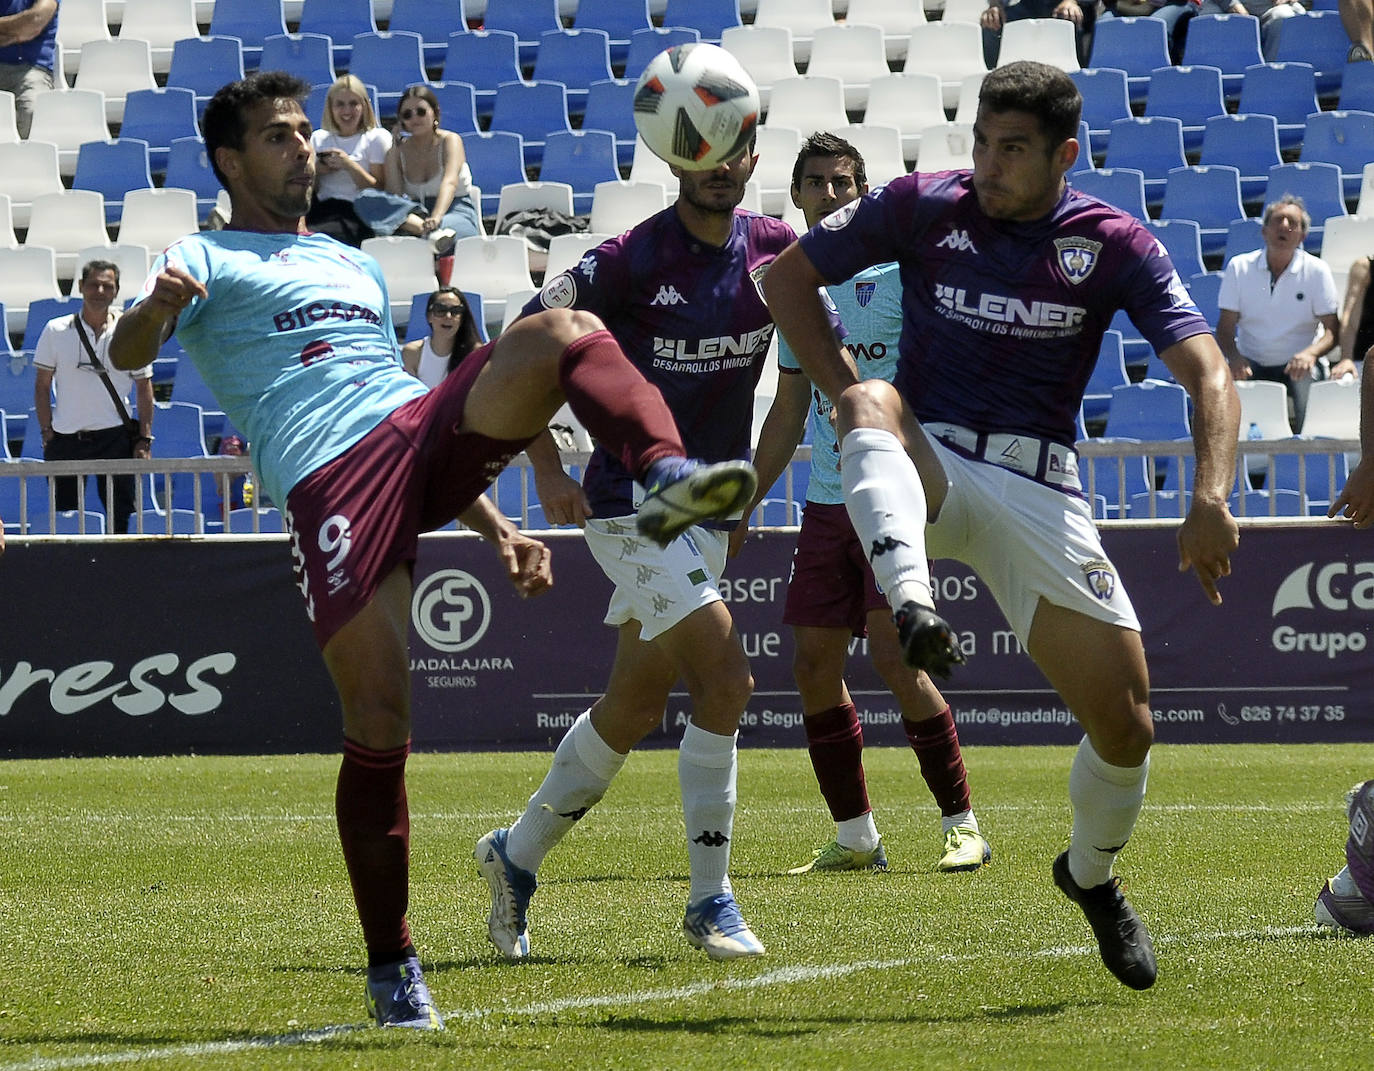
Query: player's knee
[[874, 403], [1126, 740], [563, 327]]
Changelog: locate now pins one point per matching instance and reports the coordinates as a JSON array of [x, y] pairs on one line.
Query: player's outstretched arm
[[778, 438], [1209, 534], [564, 500], [528, 562], [1356, 500], [792, 290], [143, 329]]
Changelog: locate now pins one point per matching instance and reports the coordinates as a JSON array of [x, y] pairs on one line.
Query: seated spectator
[[1271, 14], [350, 152], [1272, 301], [427, 179], [28, 41], [1080, 12], [453, 335], [1357, 320]]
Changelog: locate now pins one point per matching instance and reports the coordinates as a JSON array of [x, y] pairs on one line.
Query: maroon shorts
[[832, 585], [359, 516]]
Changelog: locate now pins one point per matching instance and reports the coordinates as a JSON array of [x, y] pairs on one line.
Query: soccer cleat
[[397, 996], [835, 856], [511, 889], [1122, 939], [442, 241], [681, 492], [1341, 906], [965, 849], [716, 926], [928, 643]]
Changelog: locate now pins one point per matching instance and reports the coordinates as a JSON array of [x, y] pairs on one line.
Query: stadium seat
[[1122, 187], [252, 22], [457, 106], [1357, 88], [852, 52], [1317, 477], [710, 18], [68, 120], [1210, 196], [970, 89], [65, 522], [249, 519], [154, 522], [17, 375], [777, 148], [493, 267], [157, 218], [112, 169], [159, 117], [133, 260], [1153, 146], [647, 43], [1319, 39], [1138, 45], [566, 250], [115, 68], [1181, 239], [1345, 139], [433, 20], [189, 386], [407, 264], [388, 61], [1276, 503], [527, 19], [1333, 410], [580, 158], [496, 159], [161, 23], [617, 206], [309, 56], [802, 17], [341, 21], [1109, 372], [203, 64], [945, 146], [7, 236], [807, 104], [908, 102], [533, 110], [1117, 480], [1231, 43], [48, 306], [894, 17], [1345, 240], [1319, 186], [485, 59], [1205, 288], [9, 126], [1191, 94], [1243, 236], [765, 52], [1150, 411], [1051, 41], [610, 106], [188, 168], [1249, 143], [646, 167], [65, 222], [81, 21], [577, 58], [179, 430], [950, 50], [29, 169], [620, 19], [1287, 91], [881, 148], [517, 197], [1105, 100], [1263, 408]]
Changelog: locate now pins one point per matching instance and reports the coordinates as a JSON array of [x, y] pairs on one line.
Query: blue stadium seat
[[389, 61], [1180, 237], [65, 522], [1249, 143], [1277, 503], [157, 522], [1357, 88], [188, 167], [457, 106], [1319, 186], [1318, 476], [1345, 139], [1118, 480], [610, 107], [1210, 196], [112, 169], [203, 64], [619, 18], [340, 21], [1150, 411], [527, 19], [159, 117], [1123, 187], [1154, 146], [1138, 45], [1230, 43], [40, 312], [1243, 236], [533, 110], [710, 18], [577, 58], [1105, 100], [1134, 349], [17, 375], [1205, 288], [496, 159], [484, 58], [179, 429], [189, 386], [1084, 160], [251, 21], [241, 521], [433, 20], [1317, 38], [309, 56], [1108, 372], [581, 158], [1287, 91], [1191, 94], [647, 43]]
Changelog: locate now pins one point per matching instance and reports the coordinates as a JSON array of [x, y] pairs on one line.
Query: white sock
[[706, 765], [858, 834], [887, 506], [1106, 802], [967, 819], [583, 767]]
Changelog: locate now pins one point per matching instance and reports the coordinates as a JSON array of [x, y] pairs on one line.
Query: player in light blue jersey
[[292, 331], [831, 595], [1010, 277]]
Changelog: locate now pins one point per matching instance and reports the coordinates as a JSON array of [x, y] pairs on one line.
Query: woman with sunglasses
[[350, 151], [427, 181], [453, 335]]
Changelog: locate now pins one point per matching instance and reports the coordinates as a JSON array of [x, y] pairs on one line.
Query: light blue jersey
[[295, 342], [870, 306]]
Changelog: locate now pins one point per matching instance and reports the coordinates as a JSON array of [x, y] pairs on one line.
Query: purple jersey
[[691, 317], [1002, 320]]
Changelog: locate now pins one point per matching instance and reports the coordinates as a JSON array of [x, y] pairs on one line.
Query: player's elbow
[[791, 278]]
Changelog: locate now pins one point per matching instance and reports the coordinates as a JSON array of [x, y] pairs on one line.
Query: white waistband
[[1044, 461]]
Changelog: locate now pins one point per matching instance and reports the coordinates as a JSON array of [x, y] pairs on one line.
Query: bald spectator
[[28, 43]]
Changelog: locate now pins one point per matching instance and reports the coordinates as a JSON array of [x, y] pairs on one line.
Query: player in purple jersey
[[680, 293], [1010, 278], [422, 459], [831, 595]]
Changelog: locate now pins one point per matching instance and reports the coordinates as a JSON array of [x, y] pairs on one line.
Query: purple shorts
[[832, 585], [355, 519]]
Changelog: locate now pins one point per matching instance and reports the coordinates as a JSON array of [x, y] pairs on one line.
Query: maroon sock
[[936, 743], [374, 829], [836, 742], [616, 404]]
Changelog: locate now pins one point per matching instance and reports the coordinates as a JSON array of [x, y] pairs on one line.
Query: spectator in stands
[[28, 46], [831, 596], [1357, 16], [428, 181], [1272, 301], [681, 293], [1082, 13], [292, 332], [1357, 320], [350, 151], [453, 334], [1270, 13], [1174, 13], [91, 419]]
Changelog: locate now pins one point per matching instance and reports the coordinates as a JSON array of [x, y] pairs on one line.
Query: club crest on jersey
[[560, 292], [1078, 257], [863, 293], [756, 276], [1101, 578]]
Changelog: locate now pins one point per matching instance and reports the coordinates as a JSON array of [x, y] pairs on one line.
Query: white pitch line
[[780, 976]]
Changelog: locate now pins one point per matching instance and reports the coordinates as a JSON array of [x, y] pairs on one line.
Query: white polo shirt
[[83, 403], [1277, 321]]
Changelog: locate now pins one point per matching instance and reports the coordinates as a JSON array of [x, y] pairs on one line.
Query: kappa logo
[[668, 295], [882, 546], [712, 838], [957, 239]]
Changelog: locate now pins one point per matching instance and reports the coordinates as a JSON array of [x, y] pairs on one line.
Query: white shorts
[[1025, 541], [656, 586]]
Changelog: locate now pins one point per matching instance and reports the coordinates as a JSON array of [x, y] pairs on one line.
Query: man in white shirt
[[1272, 301], [92, 418]]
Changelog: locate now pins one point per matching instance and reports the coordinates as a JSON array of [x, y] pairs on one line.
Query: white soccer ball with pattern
[[696, 106]]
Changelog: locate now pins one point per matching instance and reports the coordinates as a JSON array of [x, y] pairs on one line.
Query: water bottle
[[248, 490], [1254, 433]]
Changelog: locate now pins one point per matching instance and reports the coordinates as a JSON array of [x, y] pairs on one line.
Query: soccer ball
[[696, 107]]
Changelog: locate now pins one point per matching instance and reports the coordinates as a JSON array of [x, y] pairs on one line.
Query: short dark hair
[[92, 266], [224, 124], [1038, 89], [822, 143]]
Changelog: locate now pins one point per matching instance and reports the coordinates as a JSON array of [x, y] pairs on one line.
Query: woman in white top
[[454, 334], [427, 179], [350, 152]]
